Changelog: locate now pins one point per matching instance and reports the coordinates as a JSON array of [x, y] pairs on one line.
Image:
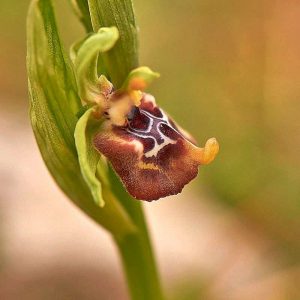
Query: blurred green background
[[229, 69]]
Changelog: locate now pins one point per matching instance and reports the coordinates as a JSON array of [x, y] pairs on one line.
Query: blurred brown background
[[230, 69]]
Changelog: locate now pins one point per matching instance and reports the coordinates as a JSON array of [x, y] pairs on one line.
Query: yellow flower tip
[[211, 150], [207, 154], [137, 83]]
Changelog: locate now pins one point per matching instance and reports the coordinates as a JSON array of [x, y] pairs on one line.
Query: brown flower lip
[[153, 157]]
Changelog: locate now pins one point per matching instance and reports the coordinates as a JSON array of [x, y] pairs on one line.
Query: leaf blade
[[51, 85], [53, 117], [81, 9]]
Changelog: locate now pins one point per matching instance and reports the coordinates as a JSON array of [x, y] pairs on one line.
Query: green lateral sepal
[[89, 158]]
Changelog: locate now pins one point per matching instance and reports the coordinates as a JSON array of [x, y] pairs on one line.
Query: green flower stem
[[136, 251], [138, 262]]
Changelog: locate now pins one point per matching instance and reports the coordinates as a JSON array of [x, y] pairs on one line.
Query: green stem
[[138, 259], [135, 249], [139, 266]]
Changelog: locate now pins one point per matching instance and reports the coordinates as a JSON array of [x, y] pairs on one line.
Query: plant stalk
[[135, 249], [138, 261]]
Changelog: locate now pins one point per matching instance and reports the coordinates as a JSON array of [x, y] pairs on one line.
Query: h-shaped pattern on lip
[[153, 131]]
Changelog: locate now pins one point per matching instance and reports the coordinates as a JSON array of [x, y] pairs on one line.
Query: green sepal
[[103, 172], [88, 157], [142, 74], [86, 58]]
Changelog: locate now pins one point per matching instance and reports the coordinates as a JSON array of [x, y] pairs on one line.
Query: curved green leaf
[[53, 105], [52, 90]]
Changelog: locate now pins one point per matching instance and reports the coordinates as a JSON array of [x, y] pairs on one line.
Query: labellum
[[153, 156]]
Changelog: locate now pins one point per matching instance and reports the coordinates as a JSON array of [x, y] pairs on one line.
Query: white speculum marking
[[157, 147], [146, 134]]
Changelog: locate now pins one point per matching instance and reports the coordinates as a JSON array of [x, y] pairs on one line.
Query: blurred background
[[229, 69]]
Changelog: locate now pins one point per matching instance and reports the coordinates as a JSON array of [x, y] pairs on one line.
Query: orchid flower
[[151, 154]]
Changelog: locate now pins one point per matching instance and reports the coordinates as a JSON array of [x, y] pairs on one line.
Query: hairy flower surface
[[152, 155]]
